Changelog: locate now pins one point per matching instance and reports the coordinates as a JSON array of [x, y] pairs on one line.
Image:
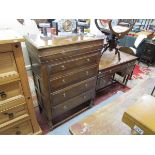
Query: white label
[[138, 130]]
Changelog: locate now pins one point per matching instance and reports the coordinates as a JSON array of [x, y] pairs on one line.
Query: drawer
[[103, 82], [11, 102], [12, 113], [22, 128], [8, 69], [72, 103], [5, 48], [73, 77], [10, 90], [69, 52], [82, 61], [65, 94]]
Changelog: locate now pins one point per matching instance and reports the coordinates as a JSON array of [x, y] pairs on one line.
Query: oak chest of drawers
[[65, 72], [17, 114]]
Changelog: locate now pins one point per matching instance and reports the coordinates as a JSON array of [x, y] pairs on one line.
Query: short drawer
[[74, 63], [8, 69], [73, 77], [103, 82], [12, 113], [23, 128], [65, 94], [10, 90], [72, 103], [5, 47]]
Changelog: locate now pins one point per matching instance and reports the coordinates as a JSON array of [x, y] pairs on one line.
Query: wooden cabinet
[[17, 115], [65, 70]]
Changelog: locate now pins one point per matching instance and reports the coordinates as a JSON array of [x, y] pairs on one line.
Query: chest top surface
[[109, 59], [10, 36], [54, 41]]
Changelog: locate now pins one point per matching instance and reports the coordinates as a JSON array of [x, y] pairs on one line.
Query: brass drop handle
[[87, 73], [65, 107], [88, 59], [63, 67], [2, 94], [86, 85], [18, 132], [63, 80], [64, 95], [63, 52], [11, 115], [84, 96]]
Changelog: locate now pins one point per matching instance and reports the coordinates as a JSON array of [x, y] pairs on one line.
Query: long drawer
[[74, 63], [60, 96], [12, 113], [23, 128], [68, 79], [113, 70], [72, 103], [69, 52], [10, 90]]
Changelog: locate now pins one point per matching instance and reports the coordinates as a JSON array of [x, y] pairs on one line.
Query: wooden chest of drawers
[[65, 73], [17, 114]]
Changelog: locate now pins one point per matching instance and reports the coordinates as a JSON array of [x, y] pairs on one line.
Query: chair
[[137, 44]]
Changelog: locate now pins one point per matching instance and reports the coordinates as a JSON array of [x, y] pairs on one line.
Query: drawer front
[[10, 90], [82, 61], [12, 113], [103, 82], [72, 91], [71, 78], [7, 62], [66, 54], [5, 48], [72, 103], [23, 128]]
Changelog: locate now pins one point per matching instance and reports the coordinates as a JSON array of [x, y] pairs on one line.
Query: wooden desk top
[[10, 36], [55, 41], [108, 120], [109, 59]]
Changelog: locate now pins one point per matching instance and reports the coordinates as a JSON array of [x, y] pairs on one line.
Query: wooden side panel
[[25, 85]]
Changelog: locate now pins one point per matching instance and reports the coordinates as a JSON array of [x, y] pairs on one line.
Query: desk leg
[[124, 79], [127, 79], [153, 90]]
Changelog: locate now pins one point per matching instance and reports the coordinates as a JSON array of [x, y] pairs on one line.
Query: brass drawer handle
[[88, 59], [11, 115], [64, 95], [65, 107], [63, 51], [86, 85], [2, 94], [63, 80], [87, 73], [63, 67], [18, 132], [84, 96]]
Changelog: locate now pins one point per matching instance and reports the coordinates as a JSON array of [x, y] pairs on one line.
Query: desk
[[108, 120], [109, 66]]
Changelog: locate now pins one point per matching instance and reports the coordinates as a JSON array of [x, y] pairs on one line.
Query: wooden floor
[[108, 120]]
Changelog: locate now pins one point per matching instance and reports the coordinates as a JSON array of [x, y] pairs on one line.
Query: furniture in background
[[140, 116], [109, 66], [148, 53], [17, 115], [108, 120], [65, 72]]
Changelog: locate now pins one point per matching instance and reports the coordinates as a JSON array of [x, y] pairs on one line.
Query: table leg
[[153, 90]]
